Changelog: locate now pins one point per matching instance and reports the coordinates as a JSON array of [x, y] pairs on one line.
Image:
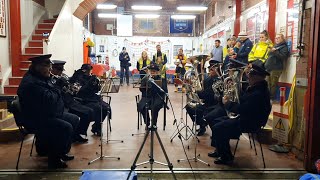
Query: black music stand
[[152, 129], [108, 87], [182, 123]]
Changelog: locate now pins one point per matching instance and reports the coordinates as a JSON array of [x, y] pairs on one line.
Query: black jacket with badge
[[254, 107], [276, 58], [207, 94], [40, 100]]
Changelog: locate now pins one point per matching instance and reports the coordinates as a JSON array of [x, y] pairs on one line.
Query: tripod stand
[[101, 156], [152, 130], [196, 157], [184, 124]]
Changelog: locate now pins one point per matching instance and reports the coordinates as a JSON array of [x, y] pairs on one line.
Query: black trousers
[[196, 114], [101, 109], [86, 115], [54, 138], [72, 119], [122, 69], [222, 132], [154, 105], [214, 114]]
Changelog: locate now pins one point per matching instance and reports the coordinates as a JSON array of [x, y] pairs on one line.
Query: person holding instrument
[[86, 114], [124, 65], [152, 98], [43, 110]]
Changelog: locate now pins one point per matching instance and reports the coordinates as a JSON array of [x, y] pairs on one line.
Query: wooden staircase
[[34, 48]]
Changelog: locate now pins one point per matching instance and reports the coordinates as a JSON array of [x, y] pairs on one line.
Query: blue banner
[[181, 26]]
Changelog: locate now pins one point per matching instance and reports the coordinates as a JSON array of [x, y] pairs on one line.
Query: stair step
[[15, 80], [40, 31], [45, 25], [25, 57], [7, 122], [25, 64], [35, 44], [34, 50], [11, 89], [37, 37], [49, 20]]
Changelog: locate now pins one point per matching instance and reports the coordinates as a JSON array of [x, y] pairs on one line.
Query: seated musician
[[208, 97], [68, 91], [90, 85], [254, 109], [142, 63], [43, 110], [152, 98]]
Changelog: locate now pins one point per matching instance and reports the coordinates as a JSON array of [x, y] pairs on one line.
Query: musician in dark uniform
[[209, 99], [90, 85], [152, 97], [43, 109], [254, 109], [68, 91]]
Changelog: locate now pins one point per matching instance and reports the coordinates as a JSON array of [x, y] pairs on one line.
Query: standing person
[[142, 63], [244, 50], [217, 51], [180, 63], [124, 65], [254, 109], [274, 64], [43, 109], [161, 60], [261, 49], [226, 48]]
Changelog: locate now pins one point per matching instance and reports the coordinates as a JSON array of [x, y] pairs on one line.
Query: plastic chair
[[16, 110]]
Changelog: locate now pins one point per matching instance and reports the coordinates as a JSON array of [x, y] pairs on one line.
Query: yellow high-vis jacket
[[260, 51]]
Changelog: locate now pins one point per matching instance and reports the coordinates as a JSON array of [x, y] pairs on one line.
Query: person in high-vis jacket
[[142, 63], [261, 49]]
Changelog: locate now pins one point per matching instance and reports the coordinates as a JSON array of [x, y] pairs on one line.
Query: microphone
[[156, 86]]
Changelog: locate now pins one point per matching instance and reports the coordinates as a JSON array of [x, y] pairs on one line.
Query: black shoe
[[56, 164], [79, 139], [213, 154], [67, 157], [226, 161], [201, 131]]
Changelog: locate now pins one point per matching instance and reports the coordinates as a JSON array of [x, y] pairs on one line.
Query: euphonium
[[192, 78]]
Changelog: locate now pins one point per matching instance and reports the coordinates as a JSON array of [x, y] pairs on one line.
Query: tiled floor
[[124, 123]]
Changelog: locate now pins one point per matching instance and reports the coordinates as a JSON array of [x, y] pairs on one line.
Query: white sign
[[280, 127]]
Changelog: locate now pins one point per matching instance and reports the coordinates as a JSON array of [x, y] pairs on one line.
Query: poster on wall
[[176, 49], [251, 23], [2, 18], [181, 26], [292, 25]]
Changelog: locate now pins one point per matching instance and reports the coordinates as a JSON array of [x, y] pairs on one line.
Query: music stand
[[105, 90], [184, 124]]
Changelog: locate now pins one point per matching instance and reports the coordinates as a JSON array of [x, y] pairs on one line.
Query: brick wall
[[246, 4], [221, 10], [41, 2]]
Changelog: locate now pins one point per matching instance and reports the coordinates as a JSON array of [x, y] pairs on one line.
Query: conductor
[[152, 94]]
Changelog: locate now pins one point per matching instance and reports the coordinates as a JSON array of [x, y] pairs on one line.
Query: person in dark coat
[[275, 63], [244, 50], [86, 114], [43, 109], [124, 59], [254, 109], [152, 97], [198, 112], [90, 86]]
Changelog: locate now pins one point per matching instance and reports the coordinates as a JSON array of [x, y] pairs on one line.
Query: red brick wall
[[222, 11], [41, 2]]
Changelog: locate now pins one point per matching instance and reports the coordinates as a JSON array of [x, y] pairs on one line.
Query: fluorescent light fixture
[[146, 8], [183, 16], [104, 15], [147, 16], [192, 8], [106, 6]]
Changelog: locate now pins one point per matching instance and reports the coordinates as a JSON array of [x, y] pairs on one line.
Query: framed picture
[[2, 18]]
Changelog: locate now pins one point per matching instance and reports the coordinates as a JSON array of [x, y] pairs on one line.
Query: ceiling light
[[106, 6], [146, 8], [183, 16], [192, 8], [147, 16], [104, 15]]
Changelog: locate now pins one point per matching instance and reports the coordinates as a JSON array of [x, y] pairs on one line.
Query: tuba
[[192, 78]]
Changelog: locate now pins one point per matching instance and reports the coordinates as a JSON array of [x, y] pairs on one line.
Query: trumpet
[[71, 88]]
